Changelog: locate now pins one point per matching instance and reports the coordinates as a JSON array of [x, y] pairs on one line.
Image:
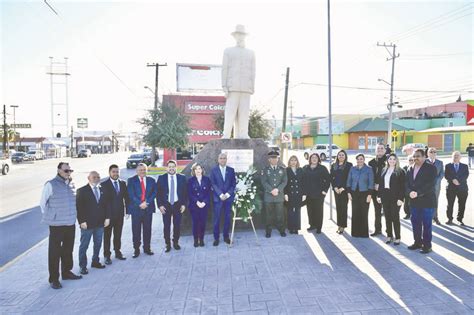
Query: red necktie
[[142, 184]]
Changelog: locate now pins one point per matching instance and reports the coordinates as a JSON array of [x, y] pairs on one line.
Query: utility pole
[[14, 124], [291, 122], [393, 56], [157, 69], [5, 130], [329, 101], [72, 141], [285, 105]]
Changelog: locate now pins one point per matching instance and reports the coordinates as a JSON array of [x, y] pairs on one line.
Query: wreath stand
[[236, 218]]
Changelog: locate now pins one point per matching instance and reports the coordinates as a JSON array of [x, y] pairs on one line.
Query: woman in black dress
[[360, 186], [316, 182], [339, 173], [294, 196]]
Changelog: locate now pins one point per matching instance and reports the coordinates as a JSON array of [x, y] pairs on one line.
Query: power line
[[380, 89]]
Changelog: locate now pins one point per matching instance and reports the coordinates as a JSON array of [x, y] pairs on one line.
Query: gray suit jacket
[[439, 171]]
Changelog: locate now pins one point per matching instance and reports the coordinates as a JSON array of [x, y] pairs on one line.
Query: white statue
[[238, 81]]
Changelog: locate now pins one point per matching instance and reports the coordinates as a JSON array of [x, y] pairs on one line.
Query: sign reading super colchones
[[204, 107]]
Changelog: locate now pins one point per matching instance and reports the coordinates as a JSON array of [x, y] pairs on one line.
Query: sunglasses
[[411, 160], [67, 171], [432, 151]]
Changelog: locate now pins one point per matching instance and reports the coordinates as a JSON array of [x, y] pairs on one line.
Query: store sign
[[204, 108], [201, 132]]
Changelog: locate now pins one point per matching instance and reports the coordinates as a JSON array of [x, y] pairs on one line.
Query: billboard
[[198, 77]]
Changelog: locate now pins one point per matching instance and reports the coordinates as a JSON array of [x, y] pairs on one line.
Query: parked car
[[135, 159], [322, 150], [34, 155], [19, 157], [409, 148], [84, 153], [183, 154], [6, 163], [147, 152]]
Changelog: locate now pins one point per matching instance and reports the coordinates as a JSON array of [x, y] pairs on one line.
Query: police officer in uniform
[[274, 180]]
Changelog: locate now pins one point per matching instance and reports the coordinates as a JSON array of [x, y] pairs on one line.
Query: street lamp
[[14, 124], [148, 88]]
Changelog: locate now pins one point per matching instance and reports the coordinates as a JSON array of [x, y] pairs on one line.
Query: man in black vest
[[116, 197], [93, 214]]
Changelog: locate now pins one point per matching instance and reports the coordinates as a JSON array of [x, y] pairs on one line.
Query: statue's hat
[[239, 29]]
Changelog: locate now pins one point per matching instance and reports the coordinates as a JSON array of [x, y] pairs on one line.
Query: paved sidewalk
[[308, 273]]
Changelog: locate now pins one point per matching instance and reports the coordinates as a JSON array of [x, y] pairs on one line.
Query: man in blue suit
[[456, 173], [420, 187], [439, 176], [171, 200], [223, 183], [142, 194]]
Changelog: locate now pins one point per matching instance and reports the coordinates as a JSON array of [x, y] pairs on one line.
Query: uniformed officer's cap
[[273, 154]]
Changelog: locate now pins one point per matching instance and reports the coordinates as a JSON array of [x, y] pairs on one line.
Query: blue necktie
[[172, 191], [117, 189], [223, 173], [96, 193], [456, 167]]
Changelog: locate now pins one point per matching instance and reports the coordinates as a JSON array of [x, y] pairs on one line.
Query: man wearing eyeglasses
[[439, 176], [420, 186], [58, 206]]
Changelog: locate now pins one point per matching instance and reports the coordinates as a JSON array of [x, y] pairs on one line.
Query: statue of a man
[[238, 81]]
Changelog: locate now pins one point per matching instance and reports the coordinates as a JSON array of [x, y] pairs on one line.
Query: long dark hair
[[336, 162]]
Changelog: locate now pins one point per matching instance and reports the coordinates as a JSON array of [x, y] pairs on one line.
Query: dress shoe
[[436, 220], [196, 243], [268, 234], [406, 217], [71, 276], [201, 243], [227, 240], [376, 233], [311, 228], [414, 246], [84, 271], [56, 285], [318, 231], [168, 248], [461, 223], [136, 253], [149, 252], [449, 222], [425, 250], [176, 246], [216, 243], [396, 242], [98, 265], [388, 240], [108, 261], [283, 234], [119, 256]]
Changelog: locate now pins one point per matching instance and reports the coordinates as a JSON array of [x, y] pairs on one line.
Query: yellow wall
[[308, 142], [466, 138], [341, 140], [420, 138]]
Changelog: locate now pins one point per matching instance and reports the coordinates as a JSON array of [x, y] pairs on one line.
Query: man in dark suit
[[171, 200], [223, 183], [420, 187], [439, 176], [456, 173], [93, 213], [116, 197], [142, 194]]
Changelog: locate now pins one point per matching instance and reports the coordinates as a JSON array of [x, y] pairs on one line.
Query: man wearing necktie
[[142, 195], [456, 173], [93, 213], [223, 184], [171, 200], [439, 176], [116, 197]]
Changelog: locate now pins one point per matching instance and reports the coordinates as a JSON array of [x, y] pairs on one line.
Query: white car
[[322, 150], [34, 155]]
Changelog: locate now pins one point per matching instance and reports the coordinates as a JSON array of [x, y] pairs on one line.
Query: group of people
[[100, 207]]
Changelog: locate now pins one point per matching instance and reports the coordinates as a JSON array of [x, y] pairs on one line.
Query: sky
[[109, 43]]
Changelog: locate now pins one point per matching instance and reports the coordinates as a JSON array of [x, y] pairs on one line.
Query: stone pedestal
[[207, 157]]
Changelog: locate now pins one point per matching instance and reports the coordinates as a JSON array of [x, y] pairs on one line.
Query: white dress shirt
[[387, 177], [223, 169], [175, 188], [118, 184]]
